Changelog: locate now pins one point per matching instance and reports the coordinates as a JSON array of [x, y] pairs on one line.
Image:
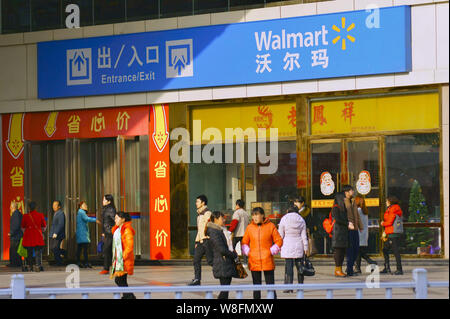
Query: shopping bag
[[22, 251]]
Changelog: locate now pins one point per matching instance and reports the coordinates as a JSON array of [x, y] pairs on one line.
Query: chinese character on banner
[[290, 59], [160, 169], [347, 112], [320, 57], [135, 57], [263, 63], [74, 124], [20, 202], [104, 58], [161, 204], [17, 176], [122, 119], [292, 117], [318, 115], [98, 123], [161, 236]]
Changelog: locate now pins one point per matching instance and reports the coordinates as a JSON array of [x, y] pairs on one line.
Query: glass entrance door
[[334, 163]]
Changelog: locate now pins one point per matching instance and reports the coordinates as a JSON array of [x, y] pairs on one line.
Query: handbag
[[22, 251], [306, 267], [240, 271], [100, 246], [398, 225]]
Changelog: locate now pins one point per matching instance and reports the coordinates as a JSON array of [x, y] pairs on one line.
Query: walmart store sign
[[342, 44]]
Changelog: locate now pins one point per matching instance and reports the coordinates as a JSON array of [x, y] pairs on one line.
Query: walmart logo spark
[[335, 28]]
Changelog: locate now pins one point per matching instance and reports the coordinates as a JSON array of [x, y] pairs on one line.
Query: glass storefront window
[[209, 6], [142, 9], [15, 16], [412, 175], [45, 15], [422, 241], [86, 11], [109, 11], [175, 8]]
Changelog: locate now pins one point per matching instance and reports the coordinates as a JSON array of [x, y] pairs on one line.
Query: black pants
[[56, 244], [392, 245], [363, 255], [269, 276], [107, 251], [14, 259], [84, 247], [339, 255], [201, 250], [289, 270], [352, 250], [37, 256], [121, 281], [226, 281], [236, 240]]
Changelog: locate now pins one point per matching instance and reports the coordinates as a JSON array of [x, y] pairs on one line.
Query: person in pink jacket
[[292, 229]]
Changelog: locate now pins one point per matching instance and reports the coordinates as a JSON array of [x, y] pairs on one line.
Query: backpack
[[328, 223]]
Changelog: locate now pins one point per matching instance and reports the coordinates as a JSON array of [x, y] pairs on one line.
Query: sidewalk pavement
[[180, 273]]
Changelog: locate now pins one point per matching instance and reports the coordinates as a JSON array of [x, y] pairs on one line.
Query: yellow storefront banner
[[386, 113], [246, 116], [328, 203]]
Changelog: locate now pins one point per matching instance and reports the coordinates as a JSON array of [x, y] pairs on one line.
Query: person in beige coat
[[202, 245], [354, 226]]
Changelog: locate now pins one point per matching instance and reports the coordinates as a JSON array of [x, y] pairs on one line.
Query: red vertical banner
[[13, 170], [159, 160]]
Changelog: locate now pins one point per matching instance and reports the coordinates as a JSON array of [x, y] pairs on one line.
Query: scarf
[[117, 262]]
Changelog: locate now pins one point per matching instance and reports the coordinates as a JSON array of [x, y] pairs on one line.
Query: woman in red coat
[[123, 256], [33, 225], [392, 238]]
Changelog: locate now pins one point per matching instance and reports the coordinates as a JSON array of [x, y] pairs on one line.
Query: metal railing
[[419, 286]]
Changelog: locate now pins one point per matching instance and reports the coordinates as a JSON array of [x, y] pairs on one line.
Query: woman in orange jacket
[[123, 257], [260, 242], [392, 236]]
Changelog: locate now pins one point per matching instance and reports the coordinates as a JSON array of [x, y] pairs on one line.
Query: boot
[[399, 271], [386, 270], [357, 270], [338, 272], [288, 280]]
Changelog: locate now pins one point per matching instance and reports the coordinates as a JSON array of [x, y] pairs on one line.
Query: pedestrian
[[82, 234], [15, 234], [354, 226], [122, 251], [239, 223], [108, 215], [305, 212], [57, 232], [224, 255], [392, 243], [339, 239], [202, 246], [363, 234], [292, 229], [33, 226], [260, 243]]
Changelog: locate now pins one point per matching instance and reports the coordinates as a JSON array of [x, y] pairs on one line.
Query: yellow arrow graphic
[[50, 126], [160, 135], [14, 144]]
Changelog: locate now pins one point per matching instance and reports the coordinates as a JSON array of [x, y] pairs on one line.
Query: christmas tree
[[418, 213]]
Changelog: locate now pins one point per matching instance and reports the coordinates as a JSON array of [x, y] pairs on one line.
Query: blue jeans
[[352, 250]]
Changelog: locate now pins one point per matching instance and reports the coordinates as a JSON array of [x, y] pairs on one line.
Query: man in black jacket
[[57, 232], [108, 215], [15, 234]]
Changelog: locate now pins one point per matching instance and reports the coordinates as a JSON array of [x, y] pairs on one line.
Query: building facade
[[358, 95]]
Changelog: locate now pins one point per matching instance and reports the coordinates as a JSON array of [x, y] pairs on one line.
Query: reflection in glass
[[15, 16], [45, 15]]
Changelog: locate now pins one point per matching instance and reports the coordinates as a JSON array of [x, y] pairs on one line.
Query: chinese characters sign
[[128, 121], [386, 113], [300, 48]]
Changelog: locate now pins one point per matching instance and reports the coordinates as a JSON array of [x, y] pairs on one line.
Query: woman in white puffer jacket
[[292, 229]]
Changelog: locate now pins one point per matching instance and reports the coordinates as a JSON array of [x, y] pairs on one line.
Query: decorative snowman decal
[[363, 185], [326, 184]]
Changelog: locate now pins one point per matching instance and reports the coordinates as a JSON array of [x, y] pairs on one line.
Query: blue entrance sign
[[302, 48]]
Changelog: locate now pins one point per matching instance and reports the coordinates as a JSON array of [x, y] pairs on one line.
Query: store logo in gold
[[342, 36], [50, 126], [160, 135], [14, 144]]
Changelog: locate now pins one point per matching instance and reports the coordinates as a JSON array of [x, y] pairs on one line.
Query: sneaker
[[194, 282], [398, 272], [104, 272]]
